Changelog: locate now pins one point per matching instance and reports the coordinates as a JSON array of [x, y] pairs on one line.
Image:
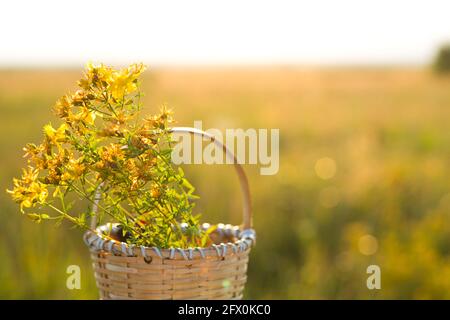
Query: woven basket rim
[[245, 240]]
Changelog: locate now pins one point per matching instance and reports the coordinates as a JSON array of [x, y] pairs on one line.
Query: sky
[[45, 32]]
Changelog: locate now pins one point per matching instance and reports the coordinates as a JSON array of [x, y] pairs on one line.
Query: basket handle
[[243, 181]]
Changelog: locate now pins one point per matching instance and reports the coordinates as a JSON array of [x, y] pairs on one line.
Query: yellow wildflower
[[28, 191], [155, 192], [125, 81], [110, 157], [97, 76], [161, 120], [112, 130], [113, 152], [55, 136], [76, 168], [85, 116], [29, 175], [62, 107], [36, 155], [79, 97]]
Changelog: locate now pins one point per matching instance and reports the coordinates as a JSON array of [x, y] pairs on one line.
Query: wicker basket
[[124, 271]]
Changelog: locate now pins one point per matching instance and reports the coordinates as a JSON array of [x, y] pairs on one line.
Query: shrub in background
[[442, 60]]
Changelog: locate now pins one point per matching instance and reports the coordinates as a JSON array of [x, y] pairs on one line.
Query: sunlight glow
[[233, 32]]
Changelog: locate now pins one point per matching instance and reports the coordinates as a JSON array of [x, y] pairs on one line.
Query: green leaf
[[188, 186], [38, 217]]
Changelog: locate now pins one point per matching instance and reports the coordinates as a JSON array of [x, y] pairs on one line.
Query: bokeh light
[[368, 245], [325, 168]]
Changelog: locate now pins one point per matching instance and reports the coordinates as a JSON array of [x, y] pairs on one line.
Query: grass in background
[[364, 178]]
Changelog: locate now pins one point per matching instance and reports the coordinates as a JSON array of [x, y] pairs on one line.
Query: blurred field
[[386, 131]]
